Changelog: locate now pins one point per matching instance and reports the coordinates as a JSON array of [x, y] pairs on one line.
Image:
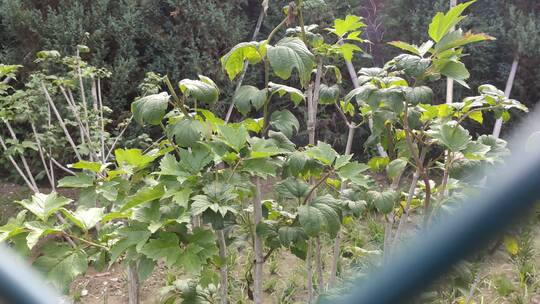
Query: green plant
[[200, 187]]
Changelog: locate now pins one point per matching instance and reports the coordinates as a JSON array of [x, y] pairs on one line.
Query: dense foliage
[[196, 196], [178, 38]]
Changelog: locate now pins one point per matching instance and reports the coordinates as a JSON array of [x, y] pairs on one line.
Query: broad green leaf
[[452, 69], [361, 94], [442, 23], [44, 205], [202, 203], [378, 163], [133, 235], [233, 61], [296, 95], [498, 150], [145, 267], [328, 95], [323, 152], [290, 235], [477, 116], [444, 110], [412, 65], [261, 167], [285, 122], [406, 47], [253, 125], [133, 157], [234, 137], [186, 132], [85, 219], [204, 90], [476, 151], [165, 247], [392, 98], [281, 141], [182, 196], [332, 221], [13, 227], [247, 96], [150, 109], [61, 264], [263, 148], [37, 231], [289, 53], [195, 159], [353, 172], [205, 239], [311, 219], [349, 24], [452, 136], [395, 167], [149, 214], [458, 39], [79, 180], [337, 72], [189, 260], [170, 166], [208, 277], [416, 95], [86, 165], [342, 160], [348, 49], [347, 108], [292, 188], [144, 195], [296, 162], [384, 201]]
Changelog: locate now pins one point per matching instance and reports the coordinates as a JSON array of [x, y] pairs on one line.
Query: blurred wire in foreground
[[19, 284], [511, 192]]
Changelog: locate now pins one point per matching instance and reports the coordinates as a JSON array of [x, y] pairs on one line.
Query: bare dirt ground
[[109, 287]]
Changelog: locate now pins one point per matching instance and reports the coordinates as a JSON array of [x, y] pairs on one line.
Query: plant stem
[[301, 20], [309, 270], [102, 120], [133, 283], [178, 100], [419, 164], [23, 159], [444, 181], [81, 87], [319, 182], [43, 161], [61, 121], [81, 239], [118, 138], [356, 84], [318, 263], [257, 246], [223, 268], [59, 165], [407, 208], [244, 70], [171, 142], [84, 132], [337, 241], [507, 92], [14, 163], [276, 29]]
